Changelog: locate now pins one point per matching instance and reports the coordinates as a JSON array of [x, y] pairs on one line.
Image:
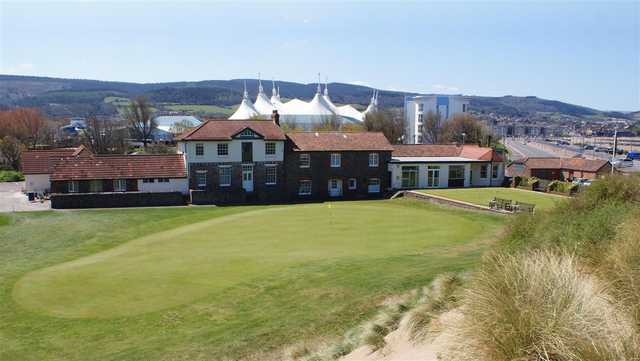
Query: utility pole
[[615, 146]]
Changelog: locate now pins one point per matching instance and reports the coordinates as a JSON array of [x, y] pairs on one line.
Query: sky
[[585, 53]]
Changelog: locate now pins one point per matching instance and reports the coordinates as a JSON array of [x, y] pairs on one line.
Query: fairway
[[482, 196], [221, 281]]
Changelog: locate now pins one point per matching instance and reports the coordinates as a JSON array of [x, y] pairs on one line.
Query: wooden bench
[[501, 203], [524, 207]]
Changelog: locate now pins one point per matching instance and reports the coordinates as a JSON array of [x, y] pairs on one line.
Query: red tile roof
[[120, 167], [222, 129], [339, 141], [575, 164], [470, 151], [41, 161]]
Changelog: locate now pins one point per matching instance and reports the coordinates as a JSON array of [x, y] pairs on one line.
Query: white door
[[247, 178], [335, 188]]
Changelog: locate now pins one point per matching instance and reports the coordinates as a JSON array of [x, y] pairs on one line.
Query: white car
[[622, 163], [582, 182]]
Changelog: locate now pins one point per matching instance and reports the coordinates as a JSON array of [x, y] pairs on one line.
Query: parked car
[[601, 149], [582, 182], [633, 155], [588, 147], [622, 162]]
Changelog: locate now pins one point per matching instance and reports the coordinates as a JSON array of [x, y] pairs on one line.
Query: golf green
[[183, 264]]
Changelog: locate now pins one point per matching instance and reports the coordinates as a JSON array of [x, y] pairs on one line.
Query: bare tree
[[104, 137], [432, 128], [11, 149], [140, 120], [387, 122]]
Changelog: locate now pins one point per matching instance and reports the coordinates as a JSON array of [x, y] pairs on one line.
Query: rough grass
[[482, 196], [307, 273], [541, 306]]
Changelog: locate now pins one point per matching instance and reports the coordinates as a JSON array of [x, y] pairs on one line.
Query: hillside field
[[209, 283]]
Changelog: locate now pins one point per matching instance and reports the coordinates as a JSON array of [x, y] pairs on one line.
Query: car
[[582, 182], [633, 155], [601, 149], [622, 162], [588, 147]]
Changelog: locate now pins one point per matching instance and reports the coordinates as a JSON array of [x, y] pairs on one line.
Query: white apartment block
[[417, 107]]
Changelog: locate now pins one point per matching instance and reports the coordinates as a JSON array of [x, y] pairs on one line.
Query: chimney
[[275, 117]]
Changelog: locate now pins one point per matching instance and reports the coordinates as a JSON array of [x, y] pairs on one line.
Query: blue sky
[[586, 53]]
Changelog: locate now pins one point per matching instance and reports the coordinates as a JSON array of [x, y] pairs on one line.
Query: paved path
[[13, 200], [520, 150]]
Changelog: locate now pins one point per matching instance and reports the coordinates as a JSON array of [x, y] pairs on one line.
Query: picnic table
[[511, 206]]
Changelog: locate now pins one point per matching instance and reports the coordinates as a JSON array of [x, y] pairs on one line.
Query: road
[[521, 149]]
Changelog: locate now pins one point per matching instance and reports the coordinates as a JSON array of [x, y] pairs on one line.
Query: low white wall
[[37, 183], [174, 185]]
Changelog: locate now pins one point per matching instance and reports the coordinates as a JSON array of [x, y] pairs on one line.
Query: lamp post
[[463, 136]]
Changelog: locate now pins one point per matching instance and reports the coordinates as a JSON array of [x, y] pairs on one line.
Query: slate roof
[[222, 129], [41, 161], [339, 141], [120, 167]]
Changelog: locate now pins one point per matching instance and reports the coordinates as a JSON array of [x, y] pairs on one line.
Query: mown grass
[[482, 196], [306, 272], [200, 108]]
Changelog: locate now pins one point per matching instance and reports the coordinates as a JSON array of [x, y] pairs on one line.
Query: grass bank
[[482, 196]]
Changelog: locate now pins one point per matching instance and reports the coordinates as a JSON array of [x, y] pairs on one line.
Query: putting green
[[187, 263]]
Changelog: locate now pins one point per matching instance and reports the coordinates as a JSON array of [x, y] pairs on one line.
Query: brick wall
[[110, 200]]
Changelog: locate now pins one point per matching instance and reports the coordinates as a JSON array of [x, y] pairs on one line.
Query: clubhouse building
[[254, 161]]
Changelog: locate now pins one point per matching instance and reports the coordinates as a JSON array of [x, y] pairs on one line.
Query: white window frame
[[374, 160], [199, 146], [119, 185], [201, 175], [164, 180], [300, 188], [73, 187], [222, 146], [225, 177], [274, 168], [336, 160], [375, 190], [433, 176], [268, 146], [305, 160], [352, 183]]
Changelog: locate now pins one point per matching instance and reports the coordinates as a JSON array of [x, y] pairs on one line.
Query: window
[[73, 187], [494, 170], [409, 177], [271, 174], [270, 148], [483, 171], [163, 180], [120, 185], [305, 160], [95, 186], [148, 180], [433, 176], [420, 118], [374, 185], [201, 178], [456, 176], [224, 173], [353, 184], [199, 149], [335, 160], [421, 107], [373, 160], [464, 108], [223, 149], [304, 188], [247, 133]]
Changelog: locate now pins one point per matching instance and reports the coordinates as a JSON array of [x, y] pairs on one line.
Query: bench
[[500, 203], [521, 207]]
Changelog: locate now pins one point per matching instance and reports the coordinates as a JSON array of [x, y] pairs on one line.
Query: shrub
[[11, 176], [538, 305]]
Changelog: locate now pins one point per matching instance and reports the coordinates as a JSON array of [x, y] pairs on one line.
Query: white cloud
[[359, 82], [19, 69], [445, 88]]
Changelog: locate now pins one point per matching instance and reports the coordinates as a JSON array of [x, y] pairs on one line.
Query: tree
[[464, 128], [389, 123], [181, 127], [27, 125], [11, 149], [140, 120], [104, 137], [432, 128], [329, 123]]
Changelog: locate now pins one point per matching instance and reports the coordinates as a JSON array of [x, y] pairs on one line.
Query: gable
[[247, 133]]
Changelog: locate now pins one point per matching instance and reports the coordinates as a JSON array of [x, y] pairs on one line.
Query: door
[[247, 177], [409, 177], [335, 187], [247, 152], [433, 176]]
